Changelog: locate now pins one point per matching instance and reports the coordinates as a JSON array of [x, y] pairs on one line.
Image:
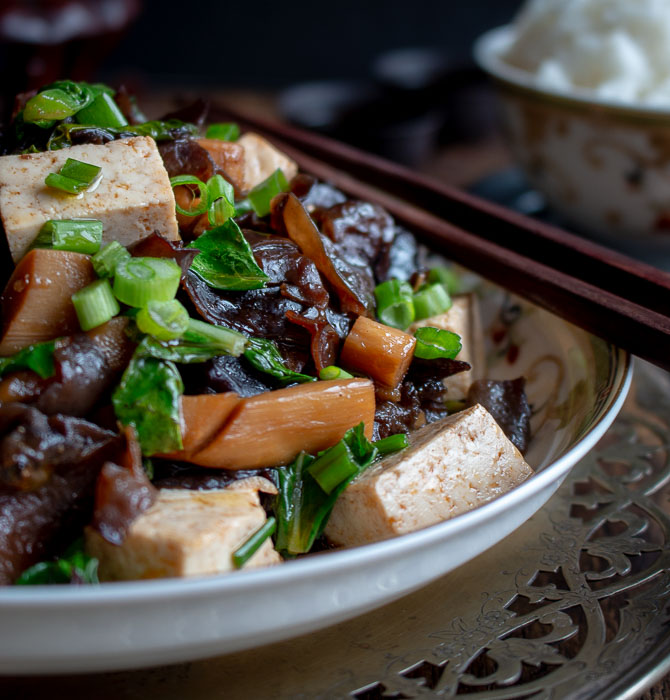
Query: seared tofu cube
[[133, 199], [450, 467], [464, 320], [261, 159], [185, 533]]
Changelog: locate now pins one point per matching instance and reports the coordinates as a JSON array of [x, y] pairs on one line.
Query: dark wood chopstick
[[596, 264], [619, 318]]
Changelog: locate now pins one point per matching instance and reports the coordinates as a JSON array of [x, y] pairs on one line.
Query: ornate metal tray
[[573, 605]]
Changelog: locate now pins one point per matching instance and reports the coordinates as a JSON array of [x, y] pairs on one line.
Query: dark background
[[277, 43], [211, 42]]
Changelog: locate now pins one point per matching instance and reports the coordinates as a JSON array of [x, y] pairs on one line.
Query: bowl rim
[[45, 597], [487, 51]]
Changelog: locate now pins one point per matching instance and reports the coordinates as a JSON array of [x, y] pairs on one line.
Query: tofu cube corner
[[133, 199], [185, 533], [451, 466]]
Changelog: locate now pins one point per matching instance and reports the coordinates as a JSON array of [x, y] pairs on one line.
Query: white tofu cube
[[463, 319], [261, 159], [450, 467], [133, 199], [185, 533]]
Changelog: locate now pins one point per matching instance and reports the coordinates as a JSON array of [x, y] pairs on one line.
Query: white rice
[[618, 49]]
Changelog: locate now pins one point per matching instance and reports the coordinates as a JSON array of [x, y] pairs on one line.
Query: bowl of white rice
[[585, 97]]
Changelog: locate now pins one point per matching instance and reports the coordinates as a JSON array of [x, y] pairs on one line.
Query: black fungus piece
[[48, 470], [506, 401], [399, 260], [399, 416], [193, 113], [178, 475], [187, 157], [225, 373]]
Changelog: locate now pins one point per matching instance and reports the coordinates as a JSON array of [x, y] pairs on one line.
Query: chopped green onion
[[432, 300], [228, 341], [203, 205], [218, 187], [436, 343], [225, 131], [164, 320], [106, 260], [247, 550], [261, 195], [333, 372], [447, 277], [95, 304], [394, 303], [333, 466], [76, 235], [243, 207], [59, 101], [75, 176], [103, 111], [392, 443], [220, 211], [138, 281]]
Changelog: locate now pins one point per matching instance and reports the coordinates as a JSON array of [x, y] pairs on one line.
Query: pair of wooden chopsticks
[[609, 294]]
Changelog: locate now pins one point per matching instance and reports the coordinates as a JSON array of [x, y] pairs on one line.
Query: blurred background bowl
[[603, 166]]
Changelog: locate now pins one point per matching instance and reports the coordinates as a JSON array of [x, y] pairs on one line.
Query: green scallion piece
[[138, 281], [230, 342], [432, 300], [95, 304], [220, 211], [333, 372], [218, 187], [261, 195], [76, 235], [333, 466], [106, 260], [447, 277], [224, 131], [203, 193], [75, 177], [164, 320], [395, 306], [243, 553], [103, 111], [436, 343], [392, 443]]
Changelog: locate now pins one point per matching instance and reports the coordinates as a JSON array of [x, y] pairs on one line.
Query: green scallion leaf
[[392, 443], [106, 260], [58, 101], [102, 111], [137, 281], [225, 260], [227, 341], [74, 566], [261, 195], [247, 550], [95, 304], [333, 467], [430, 301], [164, 320], [76, 235], [447, 277], [225, 131], [395, 305], [38, 357], [436, 343], [148, 398], [203, 193], [333, 372], [264, 355]]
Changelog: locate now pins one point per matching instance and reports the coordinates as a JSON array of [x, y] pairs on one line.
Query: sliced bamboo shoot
[[272, 428], [378, 351], [37, 301]]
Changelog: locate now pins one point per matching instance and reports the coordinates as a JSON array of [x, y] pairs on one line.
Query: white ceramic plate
[[576, 384]]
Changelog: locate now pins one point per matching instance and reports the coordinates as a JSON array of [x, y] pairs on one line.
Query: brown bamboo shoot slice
[[378, 351], [37, 301], [273, 428], [229, 156]]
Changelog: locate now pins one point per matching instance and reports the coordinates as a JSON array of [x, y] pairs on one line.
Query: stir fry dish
[[211, 361]]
